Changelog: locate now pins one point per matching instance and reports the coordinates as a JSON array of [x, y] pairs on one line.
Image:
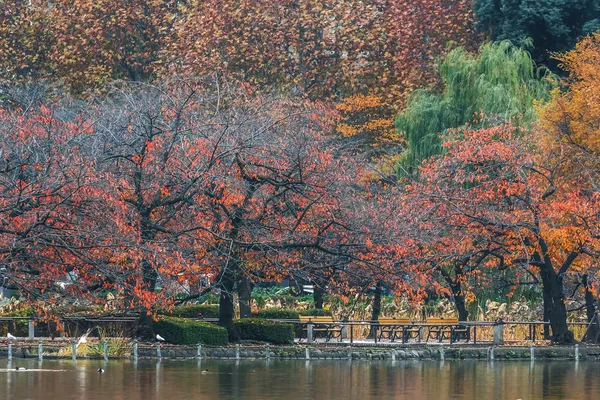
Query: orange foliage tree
[[487, 203], [326, 49], [569, 132], [86, 44], [26, 40], [47, 204], [569, 123], [190, 182]]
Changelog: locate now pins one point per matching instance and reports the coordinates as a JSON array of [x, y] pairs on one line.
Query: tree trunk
[[145, 328], [376, 308], [557, 309], [244, 296], [547, 305], [456, 289], [318, 293], [226, 306], [590, 310], [461, 308]]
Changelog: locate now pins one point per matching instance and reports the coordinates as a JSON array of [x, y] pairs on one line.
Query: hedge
[[185, 331], [195, 311], [317, 312], [277, 314], [290, 314], [265, 331]]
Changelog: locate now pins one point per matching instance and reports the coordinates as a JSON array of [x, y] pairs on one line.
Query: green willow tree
[[499, 83]]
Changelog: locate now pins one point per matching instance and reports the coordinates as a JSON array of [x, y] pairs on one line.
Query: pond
[[292, 380]]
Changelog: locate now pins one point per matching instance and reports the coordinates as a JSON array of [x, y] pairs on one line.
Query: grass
[[119, 346]]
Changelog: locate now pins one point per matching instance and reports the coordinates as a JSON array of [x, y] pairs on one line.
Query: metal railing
[[349, 331]]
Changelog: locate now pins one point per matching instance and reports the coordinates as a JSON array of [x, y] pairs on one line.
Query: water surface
[[295, 380]]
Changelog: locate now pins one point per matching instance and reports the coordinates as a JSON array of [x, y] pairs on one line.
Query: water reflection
[[292, 380]]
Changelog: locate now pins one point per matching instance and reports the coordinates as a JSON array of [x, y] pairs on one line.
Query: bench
[[396, 328], [322, 325], [446, 328]]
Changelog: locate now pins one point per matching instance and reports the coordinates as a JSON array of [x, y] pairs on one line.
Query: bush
[[317, 312], [195, 311], [277, 314], [265, 330], [185, 331]]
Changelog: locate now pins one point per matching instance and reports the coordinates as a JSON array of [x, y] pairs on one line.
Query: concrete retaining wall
[[338, 352]]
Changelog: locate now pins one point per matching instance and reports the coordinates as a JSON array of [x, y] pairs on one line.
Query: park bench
[[396, 328], [446, 328], [322, 325]]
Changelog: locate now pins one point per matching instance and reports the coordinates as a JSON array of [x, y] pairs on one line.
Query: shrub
[[265, 330], [195, 311], [277, 314], [185, 331], [317, 312]]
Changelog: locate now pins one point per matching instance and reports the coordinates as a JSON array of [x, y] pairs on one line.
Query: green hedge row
[[276, 314], [265, 330], [185, 331], [318, 312], [289, 314], [195, 311]]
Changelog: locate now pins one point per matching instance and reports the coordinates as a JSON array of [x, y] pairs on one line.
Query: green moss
[[185, 331]]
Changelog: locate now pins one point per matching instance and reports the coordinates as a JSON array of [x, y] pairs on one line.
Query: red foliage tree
[[489, 201]]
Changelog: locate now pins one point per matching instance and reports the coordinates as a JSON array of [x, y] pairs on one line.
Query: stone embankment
[[333, 352]]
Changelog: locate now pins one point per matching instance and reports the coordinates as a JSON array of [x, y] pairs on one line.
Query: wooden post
[[499, 333], [158, 352], [105, 350], [268, 352], [10, 351], [309, 332], [374, 329], [237, 351], [74, 351], [40, 351], [199, 351], [135, 350], [31, 329]]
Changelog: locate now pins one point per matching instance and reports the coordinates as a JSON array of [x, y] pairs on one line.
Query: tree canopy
[[498, 83]]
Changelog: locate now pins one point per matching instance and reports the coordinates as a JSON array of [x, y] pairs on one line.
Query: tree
[[26, 40], [47, 205], [499, 83], [347, 51], [553, 25], [568, 131], [569, 126], [86, 44], [512, 210]]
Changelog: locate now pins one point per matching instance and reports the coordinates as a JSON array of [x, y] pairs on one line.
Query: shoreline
[[324, 351]]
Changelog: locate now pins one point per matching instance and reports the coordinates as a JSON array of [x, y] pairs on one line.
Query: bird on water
[[100, 370]]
